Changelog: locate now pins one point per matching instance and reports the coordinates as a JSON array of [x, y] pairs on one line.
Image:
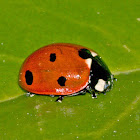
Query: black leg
[[60, 98], [92, 92], [93, 95], [83, 92], [115, 79], [30, 94]]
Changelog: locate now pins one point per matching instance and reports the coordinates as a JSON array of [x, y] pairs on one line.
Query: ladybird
[[63, 69]]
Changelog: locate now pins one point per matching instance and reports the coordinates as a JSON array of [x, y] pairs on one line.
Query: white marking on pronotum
[[94, 53], [126, 47], [88, 61], [126, 72], [100, 85]]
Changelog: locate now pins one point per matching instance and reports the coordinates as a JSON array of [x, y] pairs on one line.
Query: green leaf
[[111, 28]]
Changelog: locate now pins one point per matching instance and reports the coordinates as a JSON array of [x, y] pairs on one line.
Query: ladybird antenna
[[115, 79]]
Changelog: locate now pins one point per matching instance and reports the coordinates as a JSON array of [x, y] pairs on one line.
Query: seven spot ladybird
[[65, 69]]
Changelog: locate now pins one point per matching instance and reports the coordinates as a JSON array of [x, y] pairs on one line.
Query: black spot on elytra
[[29, 77], [52, 57], [85, 53], [61, 81]]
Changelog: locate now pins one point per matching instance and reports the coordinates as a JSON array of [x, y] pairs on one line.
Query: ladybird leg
[[93, 95], [59, 99], [92, 92], [83, 92], [29, 94]]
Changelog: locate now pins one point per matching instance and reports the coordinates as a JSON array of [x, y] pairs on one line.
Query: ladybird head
[[103, 85], [109, 84]]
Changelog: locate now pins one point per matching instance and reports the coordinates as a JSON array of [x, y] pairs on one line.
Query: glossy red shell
[[68, 63]]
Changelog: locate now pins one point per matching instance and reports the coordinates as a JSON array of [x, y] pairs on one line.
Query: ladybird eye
[[84, 53], [61, 81], [52, 57], [29, 77]]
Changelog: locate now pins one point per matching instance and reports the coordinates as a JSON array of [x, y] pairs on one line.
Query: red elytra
[[55, 69]]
